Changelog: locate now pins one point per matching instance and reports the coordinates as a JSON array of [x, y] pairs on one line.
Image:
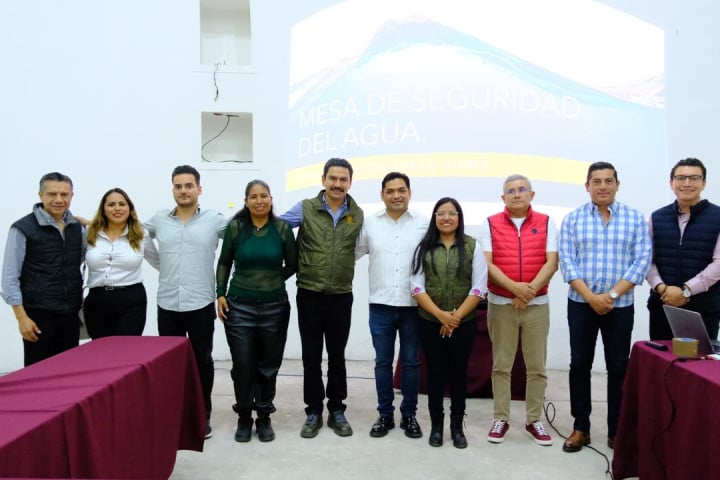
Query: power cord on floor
[[547, 409]]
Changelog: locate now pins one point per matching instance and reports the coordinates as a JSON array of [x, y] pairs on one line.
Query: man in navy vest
[[686, 252], [41, 277], [520, 246]]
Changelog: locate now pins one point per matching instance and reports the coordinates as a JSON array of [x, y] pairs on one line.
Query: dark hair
[[432, 237], [182, 169], [135, 228], [689, 162], [393, 176], [243, 216], [337, 162], [600, 166], [54, 177]]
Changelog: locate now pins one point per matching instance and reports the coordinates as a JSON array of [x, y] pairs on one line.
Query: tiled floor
[[395, 456]]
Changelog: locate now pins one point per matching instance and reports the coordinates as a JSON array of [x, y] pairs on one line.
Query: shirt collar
[[173, 212], [383, 213], [327, 205], [42, 215], [613, 207]]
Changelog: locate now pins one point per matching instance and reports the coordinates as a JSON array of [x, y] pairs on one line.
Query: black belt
[[109, 288]]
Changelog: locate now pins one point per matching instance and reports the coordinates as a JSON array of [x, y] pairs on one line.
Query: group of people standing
[[426, 278]]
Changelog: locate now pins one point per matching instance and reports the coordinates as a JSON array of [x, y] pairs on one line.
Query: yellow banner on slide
[[433, 165]]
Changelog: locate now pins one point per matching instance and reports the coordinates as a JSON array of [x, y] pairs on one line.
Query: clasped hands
[[674, 296], [449, 321], [524, 293]]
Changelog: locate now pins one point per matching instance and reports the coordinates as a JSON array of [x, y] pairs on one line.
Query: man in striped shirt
[[605, 251], [187, 238]]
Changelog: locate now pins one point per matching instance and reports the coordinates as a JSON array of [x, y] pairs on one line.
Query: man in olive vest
[[329, 226], [41, 277]]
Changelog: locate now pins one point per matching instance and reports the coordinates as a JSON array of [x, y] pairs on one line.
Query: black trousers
[[116, 311], [256, 334], [447, 360], [325, 318], [199, 326], [60, 332]]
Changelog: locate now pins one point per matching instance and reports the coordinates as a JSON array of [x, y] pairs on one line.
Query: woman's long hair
[[100, 222], [243, 216], [432, 238]]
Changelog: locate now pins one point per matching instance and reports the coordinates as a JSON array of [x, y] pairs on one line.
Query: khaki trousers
[[505, 325]]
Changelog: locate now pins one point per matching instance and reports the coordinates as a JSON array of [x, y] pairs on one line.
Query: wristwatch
[[686, 292], [613, 294]]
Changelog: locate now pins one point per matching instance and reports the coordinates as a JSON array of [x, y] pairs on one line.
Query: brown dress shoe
[[611, 442], [576, 441]]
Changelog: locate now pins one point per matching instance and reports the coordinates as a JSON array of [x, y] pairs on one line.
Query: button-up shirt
[[602, 254], [390, 245], [115, 263], [294, 216], [187, 258]]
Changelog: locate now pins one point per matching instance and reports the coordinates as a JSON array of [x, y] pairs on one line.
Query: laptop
[[688, 324]]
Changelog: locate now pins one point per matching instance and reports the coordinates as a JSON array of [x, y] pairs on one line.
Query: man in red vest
[[520, 246]]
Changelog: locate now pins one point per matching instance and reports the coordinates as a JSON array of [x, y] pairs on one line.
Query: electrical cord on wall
[[227, 122], [550, 420], [215, 70]]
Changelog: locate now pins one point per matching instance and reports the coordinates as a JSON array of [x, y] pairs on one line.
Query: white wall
[[110, 93]]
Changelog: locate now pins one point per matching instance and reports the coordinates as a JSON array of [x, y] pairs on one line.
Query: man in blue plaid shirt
[[605, 251]]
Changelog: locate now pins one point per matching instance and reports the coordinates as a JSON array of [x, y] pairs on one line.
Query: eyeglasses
[[512, 191], [446, 214], [692, 178]]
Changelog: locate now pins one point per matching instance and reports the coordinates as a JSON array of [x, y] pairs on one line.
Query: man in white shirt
[[390, 237], [187, 239]]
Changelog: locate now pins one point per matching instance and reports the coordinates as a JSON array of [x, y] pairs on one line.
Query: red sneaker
[[498, 430], [537, 432]]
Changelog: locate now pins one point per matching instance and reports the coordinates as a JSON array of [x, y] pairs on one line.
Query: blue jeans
[[616, 329], [385, 322]]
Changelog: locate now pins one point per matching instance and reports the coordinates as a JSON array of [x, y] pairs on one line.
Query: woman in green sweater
[[254, 308]]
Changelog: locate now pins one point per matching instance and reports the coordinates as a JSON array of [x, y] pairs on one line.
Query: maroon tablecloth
[[648, 444], [479, 367], [117, 407]]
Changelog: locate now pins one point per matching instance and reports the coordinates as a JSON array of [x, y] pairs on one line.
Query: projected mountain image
[[434, 99]]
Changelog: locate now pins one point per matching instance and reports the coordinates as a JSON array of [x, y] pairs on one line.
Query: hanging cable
[[215, 70], [202, 149]]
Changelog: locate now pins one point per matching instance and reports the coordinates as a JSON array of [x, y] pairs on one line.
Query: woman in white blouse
[[117, 244]]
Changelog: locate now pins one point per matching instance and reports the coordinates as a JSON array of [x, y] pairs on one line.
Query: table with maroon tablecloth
[[479, 366], [116, 407], [669, 423]]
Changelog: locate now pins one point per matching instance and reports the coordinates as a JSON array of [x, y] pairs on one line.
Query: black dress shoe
[[411, 427], [382, 426]]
